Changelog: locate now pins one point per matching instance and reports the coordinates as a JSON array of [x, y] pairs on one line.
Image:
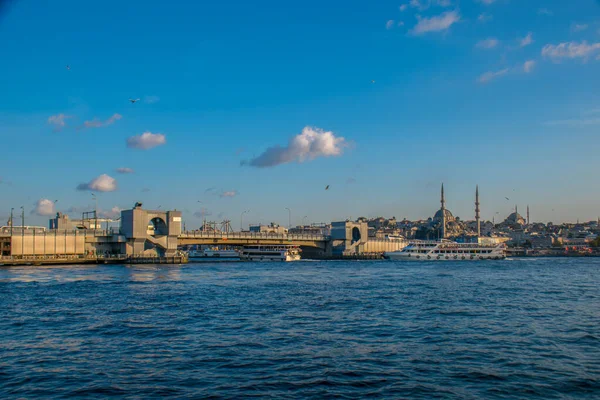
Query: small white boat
[[446, 250], [271, 253], [214, 255]]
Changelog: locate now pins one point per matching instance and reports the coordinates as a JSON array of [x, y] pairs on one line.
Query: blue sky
[[496, 93]]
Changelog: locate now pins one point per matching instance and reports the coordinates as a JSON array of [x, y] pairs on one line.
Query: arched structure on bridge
[[145, 229]]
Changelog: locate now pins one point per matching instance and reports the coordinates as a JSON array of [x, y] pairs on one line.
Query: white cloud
[[114, 213], [400, 23], [570, 50], [437, 23], [488, 43], [491, 75], [420, 4], [484, 17], [58, 121], [403, 7], [578, 27], [528, 66], [44, 208], [151, 99], [230, 193], [444, 3], [527, 40], [545, 11], [96, 123], [310, 144], [487, 2], [124, 170], [103, 183], [389, 24], [146, 140]]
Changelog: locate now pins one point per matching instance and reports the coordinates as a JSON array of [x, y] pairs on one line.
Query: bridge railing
[[251, 235]]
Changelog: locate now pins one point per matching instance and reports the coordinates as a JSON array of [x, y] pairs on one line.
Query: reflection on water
[[515, 329]]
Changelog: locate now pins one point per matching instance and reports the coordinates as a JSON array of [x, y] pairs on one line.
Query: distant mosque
[[515, 219], [447, 225]]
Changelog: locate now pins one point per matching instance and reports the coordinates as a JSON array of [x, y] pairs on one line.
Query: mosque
[[445, 225]]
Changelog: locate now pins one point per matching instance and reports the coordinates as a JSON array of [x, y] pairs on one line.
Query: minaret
[[443, 201], [528, 220], [477, 211]]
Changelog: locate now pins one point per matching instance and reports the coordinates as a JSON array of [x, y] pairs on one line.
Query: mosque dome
[[438, 216], [515, 218]]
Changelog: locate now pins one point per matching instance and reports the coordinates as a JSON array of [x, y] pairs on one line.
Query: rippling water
[[512, 329]]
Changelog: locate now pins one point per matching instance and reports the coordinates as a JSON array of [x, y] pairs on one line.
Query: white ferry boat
[[214, 255], [448, 251], [270, 253]]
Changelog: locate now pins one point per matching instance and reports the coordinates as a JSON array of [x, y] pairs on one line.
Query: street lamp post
[[242, 220], [95, 213], [12, 222], [289, 218], [22, 232]]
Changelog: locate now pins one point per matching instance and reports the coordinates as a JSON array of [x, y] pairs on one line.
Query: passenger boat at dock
[[446, 250], [214, 255], [271, 253]]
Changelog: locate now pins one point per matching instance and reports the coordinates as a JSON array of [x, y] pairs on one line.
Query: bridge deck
[[249, 238]]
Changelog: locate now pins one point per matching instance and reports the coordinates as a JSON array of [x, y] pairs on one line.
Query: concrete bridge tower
[[150, 230]]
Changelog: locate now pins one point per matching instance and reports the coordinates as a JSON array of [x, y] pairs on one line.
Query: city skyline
[[381, 102]]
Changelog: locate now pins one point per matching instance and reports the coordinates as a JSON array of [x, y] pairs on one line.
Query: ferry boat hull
[[214, 256], [266, 253], [448, 251]]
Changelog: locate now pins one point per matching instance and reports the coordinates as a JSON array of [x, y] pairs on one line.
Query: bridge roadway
[[252, 238]]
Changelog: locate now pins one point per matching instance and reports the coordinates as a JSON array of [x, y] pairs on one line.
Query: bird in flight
[[327, 187], [133, 101], [507, 198], [68, 67]]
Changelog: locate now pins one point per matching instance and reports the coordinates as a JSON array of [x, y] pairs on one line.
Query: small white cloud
[[420, 5], [113, 213], [491, 75], [96, 123], [487, 2], [484, 17], [570, 50], [545, 11], [438, 23], [403, 7], [230, 193], [308, 145], [528, 66], [390, 24], [527, 40], [444, 3], [151, 99], [146, 140], [579, 27], [44, 208], [124, 170], [58, 121], [103, 183], [487, 44], [400, 23]]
